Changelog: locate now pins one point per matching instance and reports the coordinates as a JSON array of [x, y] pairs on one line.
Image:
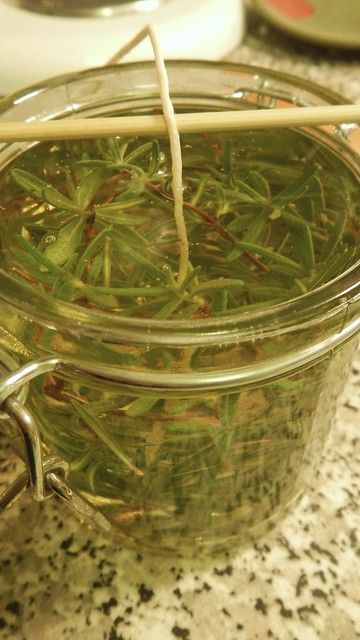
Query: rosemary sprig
[[119, 244]]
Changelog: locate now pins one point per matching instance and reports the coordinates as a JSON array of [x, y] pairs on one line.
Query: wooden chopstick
[[150, 125]]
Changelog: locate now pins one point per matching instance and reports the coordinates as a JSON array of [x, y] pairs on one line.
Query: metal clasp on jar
[[44, 476]]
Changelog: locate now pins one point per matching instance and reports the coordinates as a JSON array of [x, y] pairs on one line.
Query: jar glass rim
[[308, 307], [325, 93]]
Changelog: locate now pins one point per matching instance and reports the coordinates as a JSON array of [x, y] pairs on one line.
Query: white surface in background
[[34, 47]]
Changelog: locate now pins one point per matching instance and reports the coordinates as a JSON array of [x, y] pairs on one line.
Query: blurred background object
[[76, 8], [330, 22], [43, 38]]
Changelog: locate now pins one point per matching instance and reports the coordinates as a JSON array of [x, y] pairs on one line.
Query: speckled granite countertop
[[301, 582]]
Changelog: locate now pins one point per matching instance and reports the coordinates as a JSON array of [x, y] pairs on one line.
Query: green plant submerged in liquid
[[270, 216]]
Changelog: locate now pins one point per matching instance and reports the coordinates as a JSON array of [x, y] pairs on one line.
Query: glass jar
[[186, 435]]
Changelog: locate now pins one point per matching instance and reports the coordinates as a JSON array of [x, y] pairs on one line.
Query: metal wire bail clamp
[[44, 476]]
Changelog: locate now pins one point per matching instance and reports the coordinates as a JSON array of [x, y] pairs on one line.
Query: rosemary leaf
[[66, 243], [134, 292], [91, 250], [336, 235], [219, 283], [168, 309], [89, 185], [39, 257], [298, 188], [141, 406], [114, 213], [246, 193], [271, 255], [95, 269], [106, 265], [30, 183], [220, 300], [254, 229], [96, 426], [124, 250], [259, 183], [56, 199]]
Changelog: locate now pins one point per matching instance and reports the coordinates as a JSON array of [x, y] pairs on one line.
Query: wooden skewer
[[150, 125]]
